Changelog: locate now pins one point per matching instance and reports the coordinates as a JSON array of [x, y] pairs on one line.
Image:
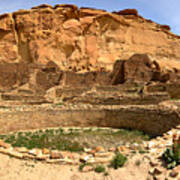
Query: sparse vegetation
[[81, 167], [106, 173], [73, 139], [29, 165], [99, 169], [172, 155], [141, 151], [43, 139], [118, 161], [132, 135], [170, 158], [138, 162]]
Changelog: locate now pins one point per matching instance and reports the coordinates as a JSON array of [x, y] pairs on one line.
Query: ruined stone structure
[[87, 56], [66, 38]]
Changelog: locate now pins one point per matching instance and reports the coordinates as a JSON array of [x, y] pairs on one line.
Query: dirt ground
[[14, 169]]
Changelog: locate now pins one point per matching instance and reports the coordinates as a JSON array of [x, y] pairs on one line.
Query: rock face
[[64, 55], [37, 45], [82, 39]]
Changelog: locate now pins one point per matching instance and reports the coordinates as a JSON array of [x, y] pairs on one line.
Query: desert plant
[[61, 130], [169, 157], [118, 161], [172, 155], [142, 151], [81, 167], [106, 173], [99, 169], [138, 163], [70, 131], [176, 146]]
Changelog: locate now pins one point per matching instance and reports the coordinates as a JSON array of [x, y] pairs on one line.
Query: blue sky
[[160, 11]]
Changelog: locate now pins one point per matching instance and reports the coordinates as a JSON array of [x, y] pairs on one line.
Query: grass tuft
[[118, 161], [99, 169], [75, 140]]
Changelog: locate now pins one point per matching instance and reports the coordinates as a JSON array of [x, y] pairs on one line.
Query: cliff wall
[[82, 39], [37, 45]]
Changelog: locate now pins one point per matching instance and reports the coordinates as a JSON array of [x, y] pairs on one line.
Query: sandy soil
[[15, 169]]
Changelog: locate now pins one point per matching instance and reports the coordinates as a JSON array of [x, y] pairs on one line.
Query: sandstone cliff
[[65, 38], [87, 67]]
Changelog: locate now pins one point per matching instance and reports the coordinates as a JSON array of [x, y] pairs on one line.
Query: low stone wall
[[93, 156], [153, 150], [152, 119]]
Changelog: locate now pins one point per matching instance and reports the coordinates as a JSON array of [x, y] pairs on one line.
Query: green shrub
[[81, 167], [170, 158], [106, 173], [99, 169], [142, 151], [172, 155], [138, 163], [118, 161]]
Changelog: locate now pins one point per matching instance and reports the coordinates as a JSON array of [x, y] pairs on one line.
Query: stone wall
[[152, 119]]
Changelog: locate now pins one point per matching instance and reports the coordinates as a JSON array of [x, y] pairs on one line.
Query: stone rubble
[[153, 150], [156, 148]]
